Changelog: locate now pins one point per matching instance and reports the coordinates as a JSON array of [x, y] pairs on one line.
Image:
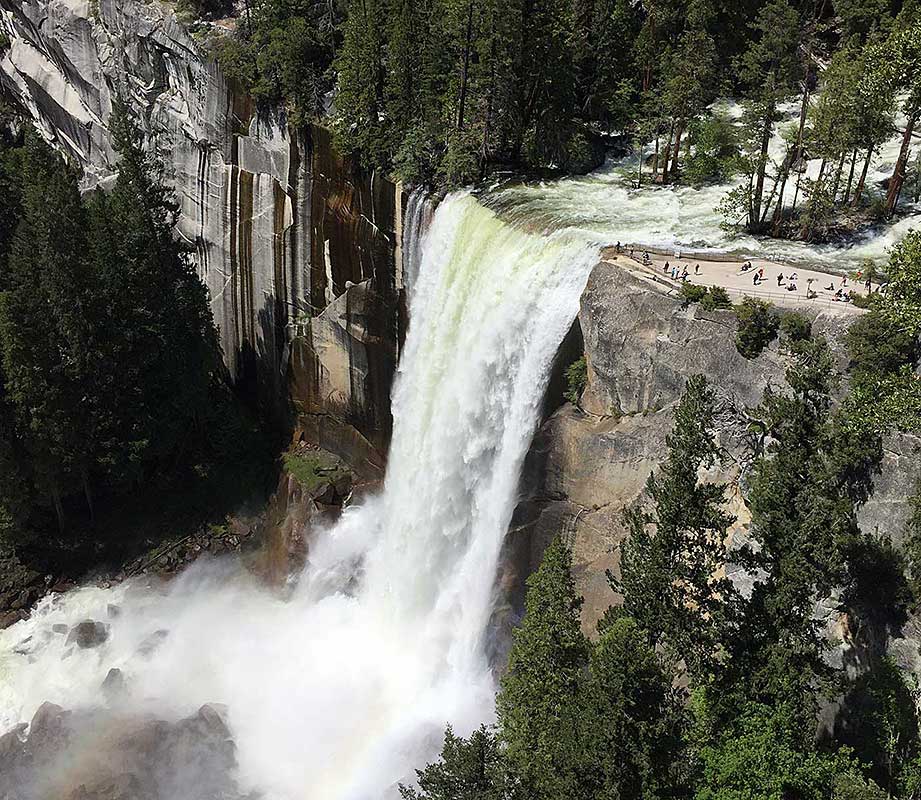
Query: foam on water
[[343, 689], [604, 206]]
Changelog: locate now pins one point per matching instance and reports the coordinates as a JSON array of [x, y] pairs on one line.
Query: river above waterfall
[[604, 205]]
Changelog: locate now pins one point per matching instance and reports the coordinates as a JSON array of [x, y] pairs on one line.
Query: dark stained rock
[[114, 683], [152, 642], [88, 634], [49, 723], [11, 741]]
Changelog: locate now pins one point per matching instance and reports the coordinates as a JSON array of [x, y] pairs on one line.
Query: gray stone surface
[[586, 465], [277, 223]]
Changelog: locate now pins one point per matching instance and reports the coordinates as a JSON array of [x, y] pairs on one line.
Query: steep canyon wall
[[586, 464], [297, 246]]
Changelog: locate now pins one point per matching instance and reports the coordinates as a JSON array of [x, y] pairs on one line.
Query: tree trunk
[[863, 176], [770, 200], [850, 177], [58, 507], [655, 160], [667, 152], [822, 166], [87, 493], [778, 208], [785, 175], [487, 125], [462, 101], [762, 166], [918, 177], [804, 107], [678, 132], [837, 183], [898, 174]]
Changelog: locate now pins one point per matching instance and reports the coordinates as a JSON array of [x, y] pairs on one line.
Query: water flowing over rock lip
[[345, 686]]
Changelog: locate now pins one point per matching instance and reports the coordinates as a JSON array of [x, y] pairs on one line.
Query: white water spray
[[341, 691], [604, 206]]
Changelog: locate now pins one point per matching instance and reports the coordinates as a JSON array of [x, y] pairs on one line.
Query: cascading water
[[419, 212], [340, 691], [606, 207]]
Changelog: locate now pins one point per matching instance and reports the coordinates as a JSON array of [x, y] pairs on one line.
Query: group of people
[[680, 272]]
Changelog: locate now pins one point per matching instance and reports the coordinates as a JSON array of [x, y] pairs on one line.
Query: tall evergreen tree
[[538, 702], [770, 69], [803, 493], [630, 733], [469, 769], [45, 335], [361, 68], [671, 561], [159, 352]]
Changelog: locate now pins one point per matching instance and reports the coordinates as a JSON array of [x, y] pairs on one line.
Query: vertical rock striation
[[286, 235]]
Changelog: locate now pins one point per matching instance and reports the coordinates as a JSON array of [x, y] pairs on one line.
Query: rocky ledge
[[587, 463]]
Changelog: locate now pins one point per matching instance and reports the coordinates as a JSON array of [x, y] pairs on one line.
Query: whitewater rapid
[[340, 691], [604, 206]]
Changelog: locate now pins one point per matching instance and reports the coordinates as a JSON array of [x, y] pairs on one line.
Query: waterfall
[[340, 691], [419, 211]]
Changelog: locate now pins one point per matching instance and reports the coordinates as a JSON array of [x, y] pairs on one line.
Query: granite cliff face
[[280, 226], [586, 464]]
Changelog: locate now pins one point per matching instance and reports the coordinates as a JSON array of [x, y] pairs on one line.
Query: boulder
[[114, 683], [88, 634], [97, 754], [152, 642]]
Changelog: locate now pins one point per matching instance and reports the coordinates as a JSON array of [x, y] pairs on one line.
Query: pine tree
[[469, 769], [905, 52], [544, 82], [538, 702], [689, 84], [770, 68], [803, 493], [159, 348], [45, 336], [630, 721], [360, 101], [676, 546]]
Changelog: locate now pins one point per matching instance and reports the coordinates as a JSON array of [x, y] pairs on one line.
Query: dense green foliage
[[677, 542], [538, 705], [110, 370], [576, 719], [759, 325], [440, 91], [282, 52], [710, 299], [576, 379]]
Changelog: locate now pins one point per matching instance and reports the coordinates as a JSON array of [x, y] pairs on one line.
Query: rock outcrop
[[587, 463], [101, 755], [281, 228]]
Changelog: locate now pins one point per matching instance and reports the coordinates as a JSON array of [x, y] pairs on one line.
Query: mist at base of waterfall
[[341, 690]]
